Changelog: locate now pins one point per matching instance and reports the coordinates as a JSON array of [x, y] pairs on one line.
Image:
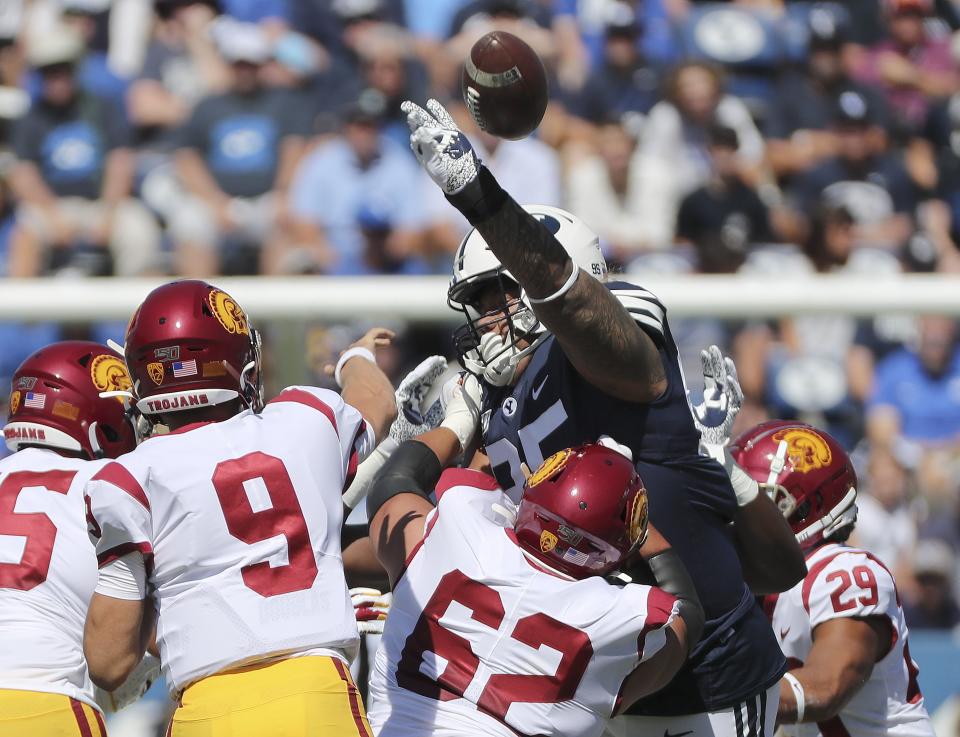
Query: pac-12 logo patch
[[155, 372], [806, 449], [14, 402], [109, 374], [548, 541], [228, 312]]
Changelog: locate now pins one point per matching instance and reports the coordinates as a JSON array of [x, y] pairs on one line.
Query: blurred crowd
[[774, 138]]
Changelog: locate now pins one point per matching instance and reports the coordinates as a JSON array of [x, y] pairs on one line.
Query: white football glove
[[440, 147], [715, 415], [411, 419], [370, 607], [461, 397], [722, 400], [136, 685]]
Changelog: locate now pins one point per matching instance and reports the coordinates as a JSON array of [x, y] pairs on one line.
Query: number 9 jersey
[[239, 525], [482, 640], [847, 582]]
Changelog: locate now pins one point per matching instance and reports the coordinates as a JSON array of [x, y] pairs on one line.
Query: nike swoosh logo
[[784, 633], [667, 733], [536, 392]]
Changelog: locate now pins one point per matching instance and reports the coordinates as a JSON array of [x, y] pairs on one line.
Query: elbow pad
[[672, 576], [412, 469]]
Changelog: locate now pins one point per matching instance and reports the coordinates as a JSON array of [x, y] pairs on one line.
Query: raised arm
[[599, 337], [364, 384]]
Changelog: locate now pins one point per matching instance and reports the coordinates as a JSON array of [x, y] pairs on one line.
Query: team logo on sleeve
[[14, 402], [109, 374], [228, 312], [550, 467], [155, 372], [548, 541], [806, 449]]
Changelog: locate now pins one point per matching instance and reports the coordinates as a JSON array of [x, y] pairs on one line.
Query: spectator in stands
[[911, 66], [724, 217], [358, 201], [916, 393], [798, 123], [602, 189], [870, 183], [237, 154], [941, 214], [673, 146], [886, 524], [181, 66], [622, 84], [90, 19], [932, 604], [74, 176]]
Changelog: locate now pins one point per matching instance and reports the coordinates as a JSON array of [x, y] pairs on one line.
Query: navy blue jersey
[[552, 407]]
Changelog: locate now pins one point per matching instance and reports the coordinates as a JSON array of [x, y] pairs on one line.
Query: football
[[504, 86]]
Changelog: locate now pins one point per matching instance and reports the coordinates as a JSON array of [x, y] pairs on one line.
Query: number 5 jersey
[[847, 582], [483, 641], [239, 525]]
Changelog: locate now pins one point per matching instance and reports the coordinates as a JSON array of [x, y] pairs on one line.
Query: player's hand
[[136, 685], [440, 147], [411, 420], [722, 400], [461, 398], [371, 340], [370, 607]]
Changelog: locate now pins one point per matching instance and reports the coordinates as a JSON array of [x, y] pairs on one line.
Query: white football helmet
[[482, 350]]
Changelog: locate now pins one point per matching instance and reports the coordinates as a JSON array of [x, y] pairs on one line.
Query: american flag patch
[[184, 368], [35, 400], [575, 556]]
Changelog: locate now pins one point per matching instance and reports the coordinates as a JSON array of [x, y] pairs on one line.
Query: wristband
[[798, 694], [567, 285], [356, 351], [480, 198]]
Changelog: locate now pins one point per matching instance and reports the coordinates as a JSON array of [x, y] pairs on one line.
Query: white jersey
[[481, 640], [847, 582], [48, 571], [239, 524]]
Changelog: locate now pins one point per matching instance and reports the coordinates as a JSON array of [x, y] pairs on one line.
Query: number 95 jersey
[[480, 640], [847, 582], [239, 524]]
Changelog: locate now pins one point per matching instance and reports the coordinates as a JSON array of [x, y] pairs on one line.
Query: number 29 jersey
[[847, 582], [239, 524], [48, 572], [482, 641]]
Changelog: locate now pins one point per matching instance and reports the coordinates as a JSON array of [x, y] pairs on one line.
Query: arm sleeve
[[662, 608], [124, 578], [849, 585], [356, 438], [118, 515]]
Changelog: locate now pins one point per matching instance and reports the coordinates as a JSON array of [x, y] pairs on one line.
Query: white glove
[[411, 420], [461, 397], [722, 400], [136, 685], [440, 147], [715, 415], [370, 607]]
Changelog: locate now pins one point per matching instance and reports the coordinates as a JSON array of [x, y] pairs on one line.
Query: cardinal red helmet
[[806, 472], [55, 401], [583, 511], [190, 345]]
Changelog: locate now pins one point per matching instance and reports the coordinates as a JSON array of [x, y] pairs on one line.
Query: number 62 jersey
[[239, 525], [846, 582], [482, 641]]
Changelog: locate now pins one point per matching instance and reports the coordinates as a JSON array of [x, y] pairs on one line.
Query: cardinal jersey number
[[846, 582], [481, 641], [239, 523], [48, 571]]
